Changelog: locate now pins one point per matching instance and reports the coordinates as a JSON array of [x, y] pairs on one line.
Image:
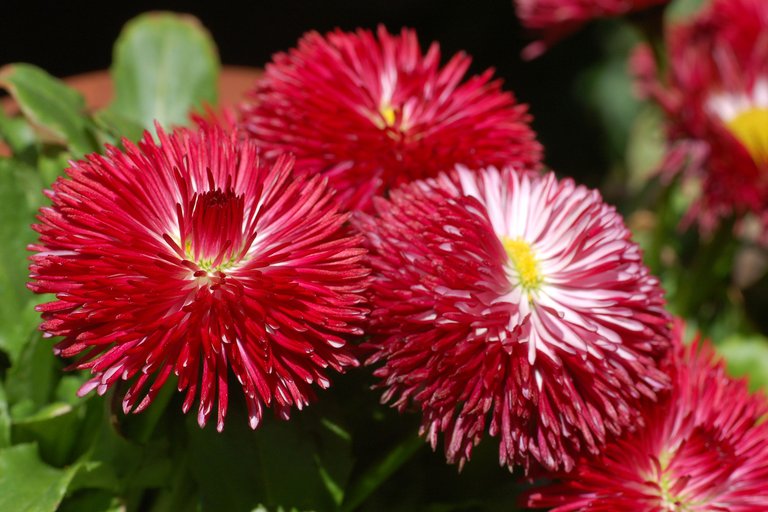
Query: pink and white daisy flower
[[517, 299], [194, 258]]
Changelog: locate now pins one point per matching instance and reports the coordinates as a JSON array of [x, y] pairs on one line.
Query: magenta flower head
[[194, 257], [514, 301], [703, 448], [371, 112]]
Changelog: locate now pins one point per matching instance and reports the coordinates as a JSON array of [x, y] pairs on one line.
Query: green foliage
[[164, 65], [19, 199], [747, 356], [55, 111], [300, 463], [29, 485]]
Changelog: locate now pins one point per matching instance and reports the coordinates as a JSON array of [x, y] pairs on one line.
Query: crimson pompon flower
[[716, 96], [194, 257], [703, 448], [556, 19], [514, 298], [371, 112]]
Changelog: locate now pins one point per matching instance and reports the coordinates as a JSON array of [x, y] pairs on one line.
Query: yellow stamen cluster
[[388, 113], [522, 258], [750, 127]]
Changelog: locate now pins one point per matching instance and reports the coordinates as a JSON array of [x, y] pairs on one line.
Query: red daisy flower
[[716, 95], [555, 19], [514, 298], [192, 257], [372, 112], [704, 448]]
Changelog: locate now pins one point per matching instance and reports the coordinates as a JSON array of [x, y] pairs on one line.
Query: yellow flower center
[[524, 261], [751, 129], [388, 113]]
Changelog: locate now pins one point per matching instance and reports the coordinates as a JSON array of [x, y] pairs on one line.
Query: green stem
[[699, 283], [372, 478]]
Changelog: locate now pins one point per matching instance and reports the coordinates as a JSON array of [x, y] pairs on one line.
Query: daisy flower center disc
[[750, 127], [388, 114], [524, 262], [216, 228]]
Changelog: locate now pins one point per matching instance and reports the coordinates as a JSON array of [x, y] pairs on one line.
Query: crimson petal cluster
[[704, 448], [194, 257], [371, 112], [514, 298]]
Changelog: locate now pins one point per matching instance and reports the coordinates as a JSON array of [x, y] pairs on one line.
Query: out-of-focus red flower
[[193, 257], [716, 96], [373, 112], [704, 448], [514, 301], [553, 20]]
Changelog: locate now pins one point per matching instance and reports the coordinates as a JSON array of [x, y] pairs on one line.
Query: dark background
[[67, 38]]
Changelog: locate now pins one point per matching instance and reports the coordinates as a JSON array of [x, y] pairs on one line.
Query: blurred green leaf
[[262, 508], [747, 356], [19, 135], [163, 66], [680, 10], [56, 111], [5, 420], [20, 196], [371, 478], [29, 485], [51, 164], [115, 126], [645, 147]]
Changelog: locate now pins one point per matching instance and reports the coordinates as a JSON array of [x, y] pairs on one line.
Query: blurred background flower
[[553, 20]]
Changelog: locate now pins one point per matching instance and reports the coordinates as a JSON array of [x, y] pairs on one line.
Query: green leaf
[[19, 135], [5, 420], [114, 463], [281, 464], [645, 148], [92, 501], [55, 428], [20, 196], [56, 111], [115, 126], [29, 485], [747, 356], [163, 66], [31, 382]]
